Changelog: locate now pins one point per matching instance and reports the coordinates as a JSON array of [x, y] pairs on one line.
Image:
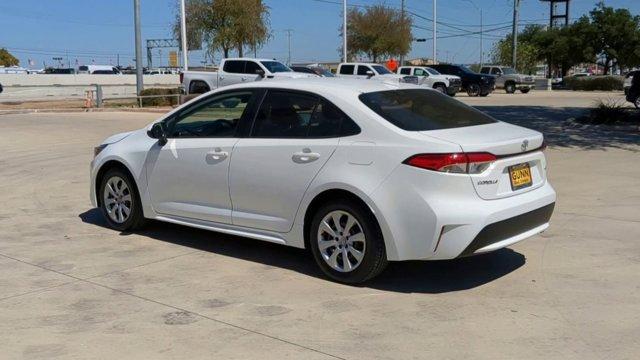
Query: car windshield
[[466, 69], [432, 71], [422, 110], [276, 66], [508, 71], [381, 69]]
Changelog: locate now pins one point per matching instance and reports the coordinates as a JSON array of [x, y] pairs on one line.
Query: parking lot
[[72, 288]]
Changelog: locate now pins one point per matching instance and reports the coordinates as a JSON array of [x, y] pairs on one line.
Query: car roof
[[250, 59], [327, 86]]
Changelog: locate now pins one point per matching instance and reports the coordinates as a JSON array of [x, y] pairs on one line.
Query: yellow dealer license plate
[[520, 176]]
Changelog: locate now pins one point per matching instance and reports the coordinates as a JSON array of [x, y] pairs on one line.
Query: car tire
[[525, 90], [120, 202], [510, 88], [441, 88], [473, 90], [637, 103], [362, 243]]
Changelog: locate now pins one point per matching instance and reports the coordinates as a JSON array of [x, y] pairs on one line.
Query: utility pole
[[289, 31], [481, 40], [403, 17], [136, 23], [183, 35], [514, 35], [435, 32], [345, 57]]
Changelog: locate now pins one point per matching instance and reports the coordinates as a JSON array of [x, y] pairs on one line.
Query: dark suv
[[473, 83]]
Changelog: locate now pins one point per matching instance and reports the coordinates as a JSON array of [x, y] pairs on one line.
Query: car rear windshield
[[423, 109]]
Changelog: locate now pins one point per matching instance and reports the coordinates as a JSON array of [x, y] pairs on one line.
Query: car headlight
[[98, 149]]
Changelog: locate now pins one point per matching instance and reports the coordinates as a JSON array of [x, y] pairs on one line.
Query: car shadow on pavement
[[559, 132], [428, 277]]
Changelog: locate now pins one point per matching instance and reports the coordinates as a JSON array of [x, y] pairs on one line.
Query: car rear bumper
[[510, 231], [427, 215]]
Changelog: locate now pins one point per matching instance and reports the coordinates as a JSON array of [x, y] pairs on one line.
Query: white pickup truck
[[372, 71], [235, 71], [447, 84]]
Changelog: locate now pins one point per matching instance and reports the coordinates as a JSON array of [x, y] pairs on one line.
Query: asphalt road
[[72, 288]]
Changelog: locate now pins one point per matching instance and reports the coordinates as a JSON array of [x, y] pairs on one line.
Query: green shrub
[[161, 100], [611, 112], [594, 83]]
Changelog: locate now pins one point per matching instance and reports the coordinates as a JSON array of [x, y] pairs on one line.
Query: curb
[[76, 110]]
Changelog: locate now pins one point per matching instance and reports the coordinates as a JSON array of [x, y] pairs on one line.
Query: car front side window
[[216, 117]]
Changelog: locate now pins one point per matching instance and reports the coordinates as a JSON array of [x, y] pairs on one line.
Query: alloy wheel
[[341, 241], [117, 199]]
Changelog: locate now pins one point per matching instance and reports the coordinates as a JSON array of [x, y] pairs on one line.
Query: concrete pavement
[[72, 288]]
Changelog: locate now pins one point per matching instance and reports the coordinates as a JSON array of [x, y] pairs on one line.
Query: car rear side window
[[347, 69], [422, 110], [234, 66], [285, 114]]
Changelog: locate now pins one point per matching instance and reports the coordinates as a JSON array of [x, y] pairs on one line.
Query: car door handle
[[217, 155], [305, 156]]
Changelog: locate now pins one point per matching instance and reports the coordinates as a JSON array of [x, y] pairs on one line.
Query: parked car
[[60, 71], [633, 93], [359, 172], [627, 80], [235, 71], [372, 71], [449, 84], [98, 70], [509, 79], [315, 70], [473, 83]]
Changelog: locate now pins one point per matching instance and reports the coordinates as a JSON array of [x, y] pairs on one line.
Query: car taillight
[[181, 77], [457, 163]]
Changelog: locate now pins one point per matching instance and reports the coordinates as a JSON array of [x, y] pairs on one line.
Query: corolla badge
[[525, 145]]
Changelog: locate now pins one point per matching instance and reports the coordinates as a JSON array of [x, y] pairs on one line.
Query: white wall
[[84, 79], [25, 87]]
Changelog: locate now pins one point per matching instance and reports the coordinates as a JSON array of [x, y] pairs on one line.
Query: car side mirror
[[370, 74], [159, 132], [260, 73]]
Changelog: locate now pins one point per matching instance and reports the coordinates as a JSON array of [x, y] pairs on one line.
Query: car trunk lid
[[516, 148]]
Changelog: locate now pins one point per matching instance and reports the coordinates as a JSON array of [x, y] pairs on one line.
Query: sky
[[101, 32]]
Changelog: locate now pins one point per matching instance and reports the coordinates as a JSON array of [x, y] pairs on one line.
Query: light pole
[[289, 31], [345, 58], [183, 35], [481, 33], [136, 23]]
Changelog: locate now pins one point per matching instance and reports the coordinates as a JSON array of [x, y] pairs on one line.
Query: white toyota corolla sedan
[[359, 172]]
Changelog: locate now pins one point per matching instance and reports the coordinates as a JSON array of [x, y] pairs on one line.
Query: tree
[[194, 10], [6, 59], [528, 54], [226, 24], [616, 33], [378, 31]]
